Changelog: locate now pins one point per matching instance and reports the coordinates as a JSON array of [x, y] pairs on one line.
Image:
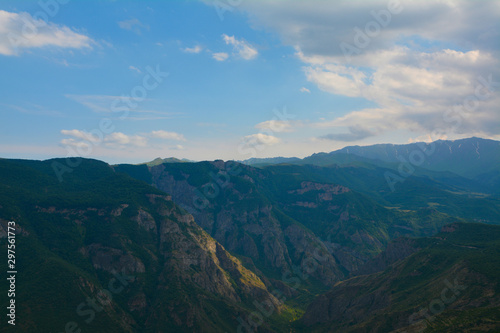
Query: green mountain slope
[[103, 252], [450, 284]]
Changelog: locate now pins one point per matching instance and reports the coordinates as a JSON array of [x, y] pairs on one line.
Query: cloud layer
[[421, 63], [21, 31], [133, 25], [168, 135], [220, 56], [241, 48], [83, 140], [260, 139]]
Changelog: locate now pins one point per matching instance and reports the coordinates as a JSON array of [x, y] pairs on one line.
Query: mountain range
[[384, 238], [475, 159]]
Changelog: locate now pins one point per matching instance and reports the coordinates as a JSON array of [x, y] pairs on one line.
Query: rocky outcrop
[[396, 250], [253, 230], [346, 305], [347, 257], [145, 220], [192, 257], [313, 256], [118, 211], [113, 260], [328, 189]]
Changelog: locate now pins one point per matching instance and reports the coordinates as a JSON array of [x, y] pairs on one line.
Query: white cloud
[[168, 135], [133, 25], [422, 138], [178, 147], [305, 90], [82, 135], [20, 31], [241, 48], [278, 126], [335, 82], [195, 49], [318, 27], [86, 140], [80, 145], [220, 56], [411, 73], [417, 70], [119, 139], [260, 139], [133, 68]]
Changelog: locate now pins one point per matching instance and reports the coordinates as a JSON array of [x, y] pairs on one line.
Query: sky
[[129, 81]]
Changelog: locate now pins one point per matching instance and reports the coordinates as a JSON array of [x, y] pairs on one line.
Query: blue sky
[[263, 78]]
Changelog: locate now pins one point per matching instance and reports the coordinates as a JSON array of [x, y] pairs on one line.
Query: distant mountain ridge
[[465, 157], [271, 160], [159, 160]]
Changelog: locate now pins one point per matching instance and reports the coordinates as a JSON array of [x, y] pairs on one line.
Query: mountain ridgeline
[[473, 159], [321, 244]]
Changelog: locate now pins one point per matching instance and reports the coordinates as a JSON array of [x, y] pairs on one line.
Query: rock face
[[192, 258], [328, 189], [344, 304], [214, 265], [145, 220], [396, 250], [245, 223], [185, 257], [113, 260]]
